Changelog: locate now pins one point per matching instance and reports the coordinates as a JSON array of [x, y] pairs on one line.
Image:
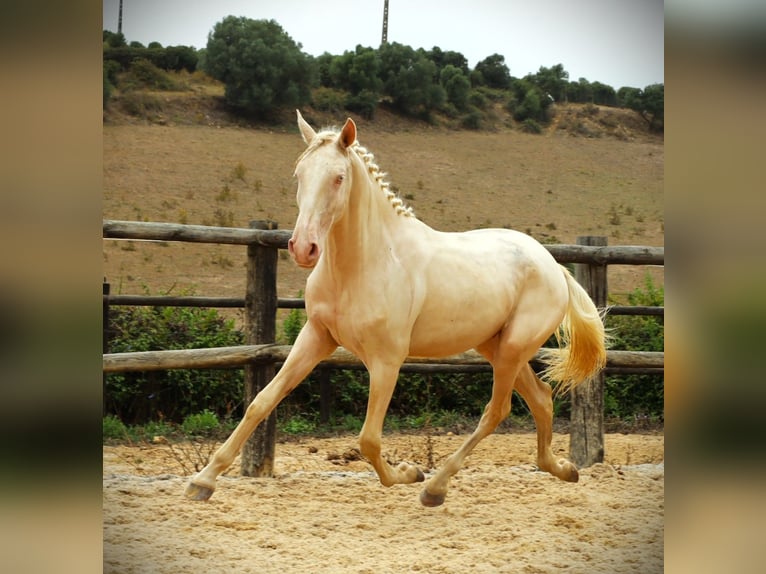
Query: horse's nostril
[[314, 250]]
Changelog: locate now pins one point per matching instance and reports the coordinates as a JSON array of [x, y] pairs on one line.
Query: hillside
[[181, 157], [199, 101]]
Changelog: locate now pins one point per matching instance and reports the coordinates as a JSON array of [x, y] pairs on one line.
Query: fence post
[[325, 396], [106, 289], [260, 327], [586, 439]]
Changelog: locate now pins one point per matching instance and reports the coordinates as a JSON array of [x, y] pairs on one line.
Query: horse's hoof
[[431, 500], [198, 492], [420, 477], [574, 475]]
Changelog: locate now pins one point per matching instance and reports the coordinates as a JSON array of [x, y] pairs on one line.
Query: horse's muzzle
[[305, 254]]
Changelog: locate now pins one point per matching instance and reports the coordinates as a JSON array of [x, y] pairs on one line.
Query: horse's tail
[[582, 341]]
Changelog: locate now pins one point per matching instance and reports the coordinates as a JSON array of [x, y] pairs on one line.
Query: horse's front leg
[[537, 395], [382, 382], [312, 345]]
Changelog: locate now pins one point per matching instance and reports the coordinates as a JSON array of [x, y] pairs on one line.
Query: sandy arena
[[326, 512]]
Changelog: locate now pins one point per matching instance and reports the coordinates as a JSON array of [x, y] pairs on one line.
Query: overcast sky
[[616, 42]]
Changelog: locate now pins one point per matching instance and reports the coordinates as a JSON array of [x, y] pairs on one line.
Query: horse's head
[[324, 180]]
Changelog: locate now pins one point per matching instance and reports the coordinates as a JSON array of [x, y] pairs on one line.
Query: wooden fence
[[260, 356]]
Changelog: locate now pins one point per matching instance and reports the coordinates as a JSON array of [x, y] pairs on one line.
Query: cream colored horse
[[386, 286]]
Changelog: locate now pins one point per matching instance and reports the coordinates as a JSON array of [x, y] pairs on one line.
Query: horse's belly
[[456, 330]]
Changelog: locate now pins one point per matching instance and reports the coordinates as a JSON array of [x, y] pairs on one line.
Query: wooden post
[[260, 328], [325, 395], [104, 337], [586, 440]]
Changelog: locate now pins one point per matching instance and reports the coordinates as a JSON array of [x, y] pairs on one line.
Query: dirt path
[[326, 512]]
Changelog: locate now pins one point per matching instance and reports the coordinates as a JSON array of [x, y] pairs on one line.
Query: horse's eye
[[339, 179]]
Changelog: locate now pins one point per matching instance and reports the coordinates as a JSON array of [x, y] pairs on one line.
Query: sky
[[615, 42]]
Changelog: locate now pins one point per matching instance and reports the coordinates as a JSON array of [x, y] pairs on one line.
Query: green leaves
[[137, 397], [262, 68]]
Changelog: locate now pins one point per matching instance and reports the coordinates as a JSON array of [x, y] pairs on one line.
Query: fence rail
[[260, 356], [592, 255], [291, 303]]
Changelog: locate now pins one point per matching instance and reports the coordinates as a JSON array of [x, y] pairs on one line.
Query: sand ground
[[324, 511]]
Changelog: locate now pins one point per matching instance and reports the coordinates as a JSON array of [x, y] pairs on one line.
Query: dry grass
[[554, 187]]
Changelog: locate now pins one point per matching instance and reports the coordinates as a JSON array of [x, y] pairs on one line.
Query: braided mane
[[326, 136], [378, 176]]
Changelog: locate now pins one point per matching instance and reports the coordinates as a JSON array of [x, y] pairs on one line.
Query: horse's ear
[[307, 132], [347, 134]]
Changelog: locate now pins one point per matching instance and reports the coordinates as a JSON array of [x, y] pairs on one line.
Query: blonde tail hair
[[582, 341]]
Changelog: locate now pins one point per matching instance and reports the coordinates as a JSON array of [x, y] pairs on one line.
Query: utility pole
[[384, 39], [119, 20]]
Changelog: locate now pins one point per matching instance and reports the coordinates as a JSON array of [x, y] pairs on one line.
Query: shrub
[[328, 99], [144, 74], [473, 120], [201, 424], [137, 397], [634, 395], [292, 325], [113, 428], [530, 126]]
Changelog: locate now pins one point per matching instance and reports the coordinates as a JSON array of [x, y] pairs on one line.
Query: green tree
[[358, 73], [114, 39], [627, 97], [529, 102], [603, 95], [493, 73], [456, 85], [410, 80], [261, 67], [553, 81], [650, 103], [449, 58]]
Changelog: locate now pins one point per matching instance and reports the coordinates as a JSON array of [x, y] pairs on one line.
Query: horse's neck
[[366, 230]]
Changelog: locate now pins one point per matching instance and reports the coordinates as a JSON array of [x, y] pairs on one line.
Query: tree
[[449, 58], [580, 91], [358, 74], [650, 103], [626, 96], [603, 95], [261, 67], [493, 72], [410, 80], [114, 39], [457, 86], [529, 102], [553, 81]]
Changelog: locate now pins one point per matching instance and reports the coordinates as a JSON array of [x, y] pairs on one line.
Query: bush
[[113, 428], [137, 397], [530, 126], [328, 99], [473, 120], [637, 395], [144, 74], [201, 424]]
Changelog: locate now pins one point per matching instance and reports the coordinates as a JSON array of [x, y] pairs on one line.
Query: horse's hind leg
[[496, 410], [537, 395]]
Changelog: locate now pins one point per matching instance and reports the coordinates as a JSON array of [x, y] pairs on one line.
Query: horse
[[386, 286]]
